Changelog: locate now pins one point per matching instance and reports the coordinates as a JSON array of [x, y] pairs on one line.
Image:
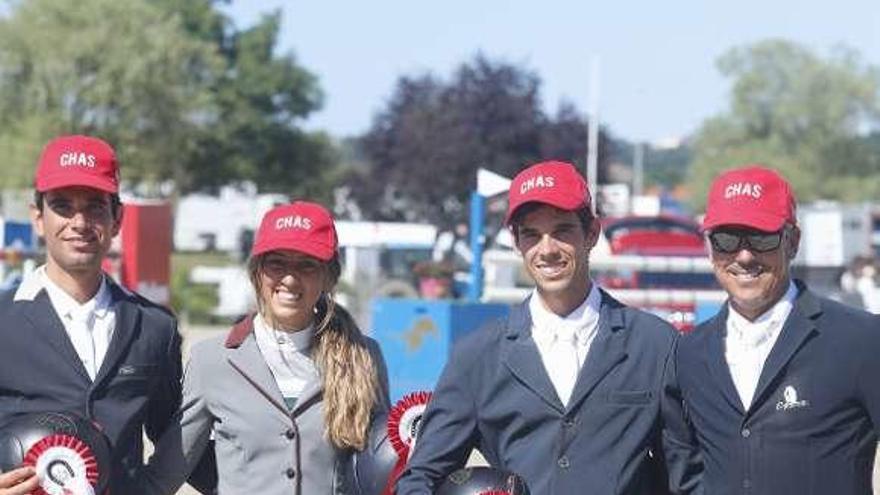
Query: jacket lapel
[[799, 326], [311, 393], [607, 350], [717, 362], [128, 322], [521, 357], [42, 317], [248, 361], [245, 357]]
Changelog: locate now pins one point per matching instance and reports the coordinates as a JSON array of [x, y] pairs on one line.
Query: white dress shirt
[[548, 329], [287, 355], [89, 325], [748, 343]]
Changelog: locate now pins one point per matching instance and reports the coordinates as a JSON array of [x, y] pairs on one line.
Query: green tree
[[664, 167], [120, 69], [798, 112], [260, 97], [178, 90], [425, 146]]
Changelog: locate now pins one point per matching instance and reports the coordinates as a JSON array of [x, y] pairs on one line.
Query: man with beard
[[780, 385], [567, 390]]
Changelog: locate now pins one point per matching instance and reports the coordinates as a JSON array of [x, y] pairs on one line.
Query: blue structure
[[705, 310], [18, 235], [416, 337], [478, 206]]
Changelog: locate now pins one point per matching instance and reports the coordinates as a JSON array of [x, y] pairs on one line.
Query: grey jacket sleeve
[[180, 447], [448, 431], [680, 450]]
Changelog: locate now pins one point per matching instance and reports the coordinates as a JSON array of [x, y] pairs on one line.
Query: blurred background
[[407, 119]]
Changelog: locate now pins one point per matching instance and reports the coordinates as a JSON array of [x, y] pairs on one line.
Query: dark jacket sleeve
[[448, 431], [165, 401], [868, 388], [679, 444]]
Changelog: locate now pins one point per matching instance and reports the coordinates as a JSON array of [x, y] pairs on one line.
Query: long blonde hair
[[339, 349]]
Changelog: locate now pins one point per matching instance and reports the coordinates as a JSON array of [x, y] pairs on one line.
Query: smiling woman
[[298, 370], [288, 285]]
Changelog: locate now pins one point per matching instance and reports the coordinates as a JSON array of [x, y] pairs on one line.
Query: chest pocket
[[629, 397], [792, 405], [132, 380], [137, 371]]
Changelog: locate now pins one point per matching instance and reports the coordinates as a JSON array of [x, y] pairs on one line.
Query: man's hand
[[19, 481]]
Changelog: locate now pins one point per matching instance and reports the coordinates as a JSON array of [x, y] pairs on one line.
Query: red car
[[663, 235], [640, 244]]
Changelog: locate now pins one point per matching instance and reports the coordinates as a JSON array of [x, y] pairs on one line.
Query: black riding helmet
[[64, 448], [483, 480]]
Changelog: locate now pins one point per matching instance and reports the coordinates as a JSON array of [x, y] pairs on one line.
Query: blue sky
[[657, 58]]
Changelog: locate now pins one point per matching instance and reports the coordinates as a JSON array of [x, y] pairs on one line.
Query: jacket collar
[[248, 361], [34, 282], [240, 332], [40, 314], [806, 302], [521, 357], [798, 328], [519, 322]]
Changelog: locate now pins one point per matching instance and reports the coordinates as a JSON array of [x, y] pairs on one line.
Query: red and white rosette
[[64, 464], [404, 421]]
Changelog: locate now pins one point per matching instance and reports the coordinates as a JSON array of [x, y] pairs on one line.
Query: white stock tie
[[566, 364], [83, 340]]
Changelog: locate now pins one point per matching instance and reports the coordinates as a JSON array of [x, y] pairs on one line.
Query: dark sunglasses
[[732, 241]]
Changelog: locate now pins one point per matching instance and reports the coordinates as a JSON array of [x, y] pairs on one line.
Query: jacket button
[[563, 462], [746, 433], [291, 434], [568, 422], [291, 473]]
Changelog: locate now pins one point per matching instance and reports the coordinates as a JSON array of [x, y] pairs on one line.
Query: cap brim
[[57, 182], [320, 251], [567, 204], [755, 220]]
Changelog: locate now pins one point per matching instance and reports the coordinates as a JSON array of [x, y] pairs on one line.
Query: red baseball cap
[[753, 196], [77, 161], [301, 226], [554, 183]]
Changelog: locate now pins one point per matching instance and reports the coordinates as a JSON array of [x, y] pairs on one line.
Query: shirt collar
[[300, 340], [31, 285], [583, 321], [753, 333], [63, 303]]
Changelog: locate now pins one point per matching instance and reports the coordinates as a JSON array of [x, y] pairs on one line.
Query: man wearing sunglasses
[[781, 385]]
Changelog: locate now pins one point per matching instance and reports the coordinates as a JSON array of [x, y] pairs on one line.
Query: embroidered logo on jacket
[[790, 400]]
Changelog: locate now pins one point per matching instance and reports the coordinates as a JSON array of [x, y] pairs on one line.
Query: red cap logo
[[753, 196], [553, 183], [300, 226], [77, 161]]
